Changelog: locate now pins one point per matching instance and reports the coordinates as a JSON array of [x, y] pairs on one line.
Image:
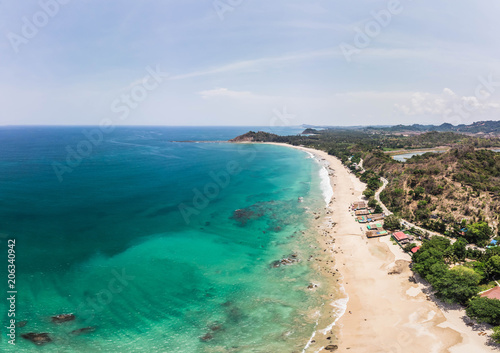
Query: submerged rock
[[242, 215], [215, 327], [21, 323], [37, 338], [207, 337], [83, 330], [285, 261], [62, 318], [312, 286]]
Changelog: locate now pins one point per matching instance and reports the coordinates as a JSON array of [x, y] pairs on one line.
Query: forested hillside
[[443, 192]]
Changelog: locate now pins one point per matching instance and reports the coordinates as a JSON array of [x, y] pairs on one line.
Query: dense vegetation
[[453, 193], [456, 193], [488, 127], [458, 274]]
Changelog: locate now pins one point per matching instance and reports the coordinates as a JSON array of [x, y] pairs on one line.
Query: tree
[[485, 310], [479, 232], [492, 266], [496, 334], [422, 204], [438, 242], [418, 192], [425, 259], [374, 183], [408, 247], [369, 193], [392, 222], [459, 248], [456, 285], [431, 252]]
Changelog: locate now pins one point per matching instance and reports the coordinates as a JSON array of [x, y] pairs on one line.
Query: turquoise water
[[125, 241]]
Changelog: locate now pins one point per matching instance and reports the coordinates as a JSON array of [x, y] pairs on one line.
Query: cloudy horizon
[[235, 62]]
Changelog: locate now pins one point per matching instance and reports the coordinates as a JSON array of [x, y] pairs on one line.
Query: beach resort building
[[375, 217], [359, 205], [361, 219], [493, 293], [376, 226], [401, 237], [376, 234]]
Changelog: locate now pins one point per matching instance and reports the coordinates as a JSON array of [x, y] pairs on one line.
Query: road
[[404, 221], [410, 225]]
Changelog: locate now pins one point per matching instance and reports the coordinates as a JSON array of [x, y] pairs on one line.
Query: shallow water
[[142, 242]]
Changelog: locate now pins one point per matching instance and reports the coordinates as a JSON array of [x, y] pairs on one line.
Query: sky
[[242, 62]]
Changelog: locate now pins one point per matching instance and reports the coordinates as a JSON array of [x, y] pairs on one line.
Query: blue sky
[[235, 66]]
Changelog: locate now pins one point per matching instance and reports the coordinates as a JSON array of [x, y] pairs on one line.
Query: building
[[375, 217], [493, 293], [362, 212], [415, 249], [376, 234], [400, 237], [377, 226], [361, 219], [359, 205]]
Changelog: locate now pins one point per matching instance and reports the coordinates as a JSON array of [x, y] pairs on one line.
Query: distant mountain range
[[483, 127]]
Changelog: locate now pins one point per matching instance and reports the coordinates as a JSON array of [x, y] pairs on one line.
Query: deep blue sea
[[154, 245]]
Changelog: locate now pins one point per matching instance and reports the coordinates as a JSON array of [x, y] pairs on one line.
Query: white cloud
[[247, 65], [449, 105], [224, 92]]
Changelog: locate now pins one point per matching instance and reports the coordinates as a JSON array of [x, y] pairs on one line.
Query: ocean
[[156, 245]]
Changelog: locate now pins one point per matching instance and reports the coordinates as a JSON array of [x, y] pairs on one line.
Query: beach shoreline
[[384, 312]]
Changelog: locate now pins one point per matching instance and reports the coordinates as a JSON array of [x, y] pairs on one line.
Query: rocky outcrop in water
[[83, 330], [62, 318], [253, 136], [37, 338], [206, 337], [215, 327], [285, 261], [244, 215], [21, 323]]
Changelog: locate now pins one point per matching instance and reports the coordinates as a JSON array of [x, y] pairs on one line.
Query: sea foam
[[325, 185]]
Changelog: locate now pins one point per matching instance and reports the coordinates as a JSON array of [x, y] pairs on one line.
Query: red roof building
[[415, 249], [493, 293], [399, 236]]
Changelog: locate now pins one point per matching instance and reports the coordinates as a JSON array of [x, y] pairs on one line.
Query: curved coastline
[[386, 313]]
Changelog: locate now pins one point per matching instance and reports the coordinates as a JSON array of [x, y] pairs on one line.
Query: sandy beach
[[385, 312]]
